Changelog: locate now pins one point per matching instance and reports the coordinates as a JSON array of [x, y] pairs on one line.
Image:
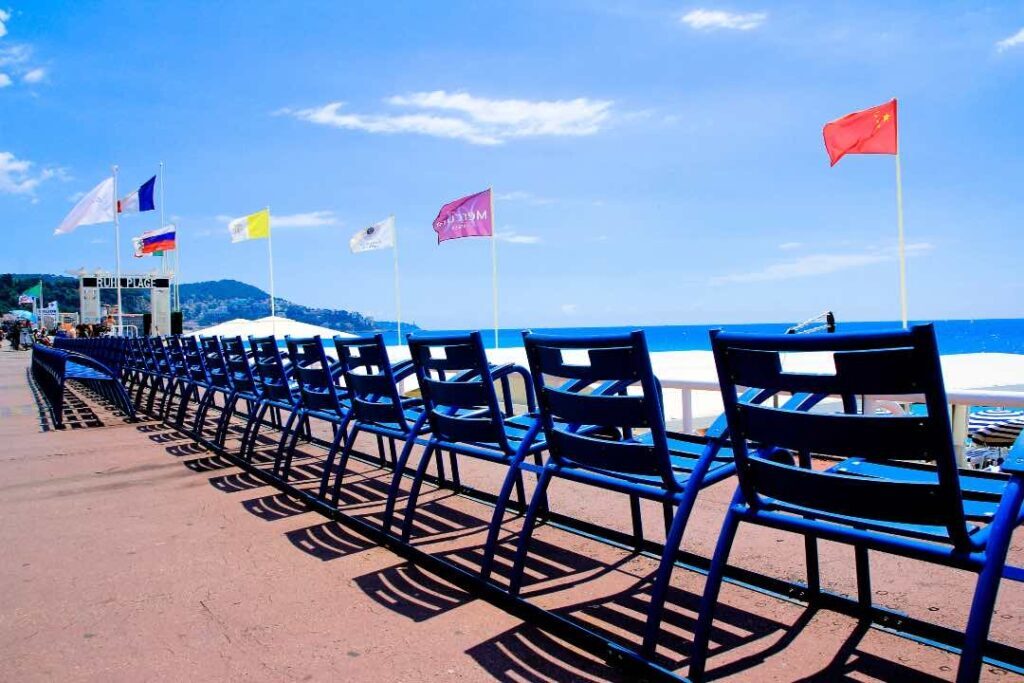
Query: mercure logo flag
[[470, 216]]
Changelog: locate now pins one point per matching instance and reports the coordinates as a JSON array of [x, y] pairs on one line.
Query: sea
[[954, 336]]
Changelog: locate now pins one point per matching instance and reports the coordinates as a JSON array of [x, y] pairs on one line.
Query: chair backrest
[[314, 374], [595, 391], [195, 362], [176, 356], [216, 362], [239, 368], [458, 389], [894, 364], [271, 371], [158, 354], [370, 380]]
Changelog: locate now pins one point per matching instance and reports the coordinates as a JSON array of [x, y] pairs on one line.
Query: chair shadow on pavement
[[328, 541], [526, 653]]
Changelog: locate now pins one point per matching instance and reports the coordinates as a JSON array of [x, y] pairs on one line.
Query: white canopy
[[275, 325]]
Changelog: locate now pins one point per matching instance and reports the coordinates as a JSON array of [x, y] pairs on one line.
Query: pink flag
[[466, 217]]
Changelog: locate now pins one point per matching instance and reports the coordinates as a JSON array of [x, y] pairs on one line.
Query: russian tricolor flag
[[162, 239], [140, 200]]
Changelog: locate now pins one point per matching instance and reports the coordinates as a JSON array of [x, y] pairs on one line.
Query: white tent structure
[[263, 327]]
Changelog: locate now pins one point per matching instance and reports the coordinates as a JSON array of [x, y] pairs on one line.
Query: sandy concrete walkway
[[129, 553]]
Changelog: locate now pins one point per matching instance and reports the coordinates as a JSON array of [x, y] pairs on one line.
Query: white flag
[[95, 207], [377, 236]]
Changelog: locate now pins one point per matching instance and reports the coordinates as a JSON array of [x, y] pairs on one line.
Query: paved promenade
[[128, 553]]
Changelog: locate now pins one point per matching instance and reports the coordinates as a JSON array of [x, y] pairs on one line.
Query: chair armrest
[[1014, 462], [403, 369]]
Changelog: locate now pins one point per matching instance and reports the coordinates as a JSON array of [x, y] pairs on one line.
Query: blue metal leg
[[230, 404], [252, 430], [980, 618], [286, 444], [346, 453], [515, 581], [332, 453], [638, 523], [863, 576], [702, 633], [414, 493], [396, 479], [513, 477]]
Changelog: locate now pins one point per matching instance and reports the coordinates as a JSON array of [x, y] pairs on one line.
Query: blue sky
[[654, 162]]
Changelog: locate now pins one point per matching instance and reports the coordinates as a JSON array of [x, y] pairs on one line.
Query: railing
[[960, 402]]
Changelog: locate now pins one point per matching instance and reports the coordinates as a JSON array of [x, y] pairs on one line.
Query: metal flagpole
[[494, 264], [398, 287], [117, 254], [163, 254], [270, 255], [902, 242]]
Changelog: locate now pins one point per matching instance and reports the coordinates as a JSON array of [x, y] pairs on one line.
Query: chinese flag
[[872, 131]]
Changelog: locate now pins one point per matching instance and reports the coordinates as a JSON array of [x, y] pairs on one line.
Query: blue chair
[[466, 418], [376, 407], [881, 498], [244, 387], [316, 377], [197, 377], [180, 378], [604, 424], [218, 383], [278, 392]]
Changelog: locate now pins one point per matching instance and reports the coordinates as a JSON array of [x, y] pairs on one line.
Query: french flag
[[140, 200]]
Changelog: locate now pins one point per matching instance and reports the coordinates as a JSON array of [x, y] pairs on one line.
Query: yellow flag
[[252, 227]]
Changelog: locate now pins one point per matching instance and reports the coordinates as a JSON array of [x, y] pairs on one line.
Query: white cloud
[[310, 219], [4, 18], [1013, 41], [521, 196], [818, 264], [35, 75], [16, 175], [513, 237], [461, 116], [5, 80], [709, 19], [570, 309], [790, 246], [15, 55], [75, 196]]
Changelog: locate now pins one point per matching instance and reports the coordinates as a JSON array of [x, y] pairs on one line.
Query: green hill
[[202, 303]]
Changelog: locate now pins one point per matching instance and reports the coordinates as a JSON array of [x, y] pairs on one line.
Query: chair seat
[[684, 452], [75, 371]]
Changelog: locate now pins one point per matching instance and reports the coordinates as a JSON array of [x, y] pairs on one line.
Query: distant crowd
[[21, 335]]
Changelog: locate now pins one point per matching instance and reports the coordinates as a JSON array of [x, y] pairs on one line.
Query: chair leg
[[286, 444], [439, 460], [199, 422], [515, 581], [638, 523], [813, 571], [513, 478], [674, 530], [346, 454], [380, 450], [332, 453], [456, 478], [252, 430], [980, 618], [396, 479], [705, 619], [230, 406], [414, 493], [863, 576]]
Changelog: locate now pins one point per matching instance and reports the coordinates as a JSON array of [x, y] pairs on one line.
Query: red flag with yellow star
[[871, 131]]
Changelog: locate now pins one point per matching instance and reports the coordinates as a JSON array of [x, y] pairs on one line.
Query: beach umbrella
[[995, 426], [23, 314]]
